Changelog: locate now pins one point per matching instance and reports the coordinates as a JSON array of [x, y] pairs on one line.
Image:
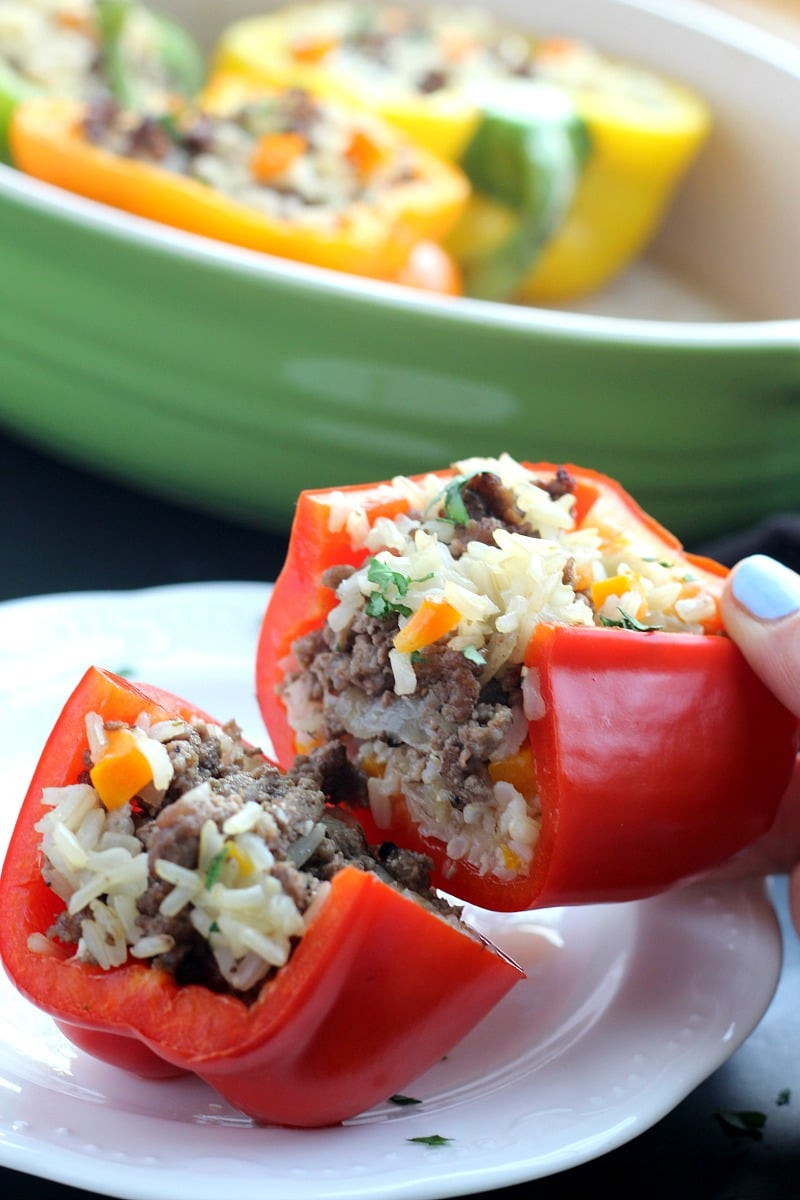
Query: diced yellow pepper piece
[[122, 772], [615, 585], [244, 864]]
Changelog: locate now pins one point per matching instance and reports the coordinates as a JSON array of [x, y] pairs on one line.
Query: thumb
[[761, 613]]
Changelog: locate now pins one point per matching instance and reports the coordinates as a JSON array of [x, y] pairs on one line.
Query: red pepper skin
[[659, 755], [377, 990]]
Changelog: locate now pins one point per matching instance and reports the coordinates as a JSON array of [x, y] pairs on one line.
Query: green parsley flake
[[433, 1139], [454, 508], [215, 868], [783, 1097], [379, 603], [626, 621], [742, 1122], [474, 655], [400, 1099]]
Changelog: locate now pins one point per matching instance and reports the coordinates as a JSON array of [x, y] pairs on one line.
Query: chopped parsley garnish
[[400, 1099], [434, 1139], [379, 603], [215, 867], [454, 508], [742, 1122], [169, 124], [783, 1097], [125, 672], [626, 621], [474, 655]]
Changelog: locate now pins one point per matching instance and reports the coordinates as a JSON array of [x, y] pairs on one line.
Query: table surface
[[65, 530]]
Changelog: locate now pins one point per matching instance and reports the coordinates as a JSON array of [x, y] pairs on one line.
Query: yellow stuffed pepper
[[280, 172], [444, 77]]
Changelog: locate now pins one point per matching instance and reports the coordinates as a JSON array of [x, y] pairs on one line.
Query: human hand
[[761, 613]]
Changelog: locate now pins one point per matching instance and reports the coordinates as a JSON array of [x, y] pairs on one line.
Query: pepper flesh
[[657, 755], [373, 239], [641, 147], [376, 991]]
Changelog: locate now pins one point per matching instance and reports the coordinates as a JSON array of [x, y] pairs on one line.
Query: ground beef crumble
[[465, 721], [213, 781]]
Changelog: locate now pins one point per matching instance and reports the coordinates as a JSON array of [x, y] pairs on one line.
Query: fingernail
[[766, 588]]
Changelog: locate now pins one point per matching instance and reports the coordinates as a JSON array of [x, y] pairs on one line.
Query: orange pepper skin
[[658, 756], [374, 240], [376, 991]]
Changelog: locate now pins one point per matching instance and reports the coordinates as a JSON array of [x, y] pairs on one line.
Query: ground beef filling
[[213, 779], [454, 719]]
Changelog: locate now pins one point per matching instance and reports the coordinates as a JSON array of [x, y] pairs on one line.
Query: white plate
[[625, 1010]]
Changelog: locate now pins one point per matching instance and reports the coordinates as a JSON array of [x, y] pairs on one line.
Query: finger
[[761, 612]]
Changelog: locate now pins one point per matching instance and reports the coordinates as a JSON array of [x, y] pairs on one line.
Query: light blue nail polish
[[766, 588]]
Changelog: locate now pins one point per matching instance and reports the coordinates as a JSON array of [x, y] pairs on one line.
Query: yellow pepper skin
[[371, 239], [260, 48], [639, 157], [644, 133]]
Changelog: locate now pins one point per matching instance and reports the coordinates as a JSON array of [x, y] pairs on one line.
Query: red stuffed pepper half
[[177, 904], [530, 679]]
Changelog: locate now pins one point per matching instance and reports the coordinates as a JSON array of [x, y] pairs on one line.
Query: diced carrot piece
[[556, 47], [364, 153], [457, 45], [372, 768], [312, 48], [432, 620], [274, 153], [518, 769], [585, 496], [615, 585], [122, 771], [584, 577], [74, 20], [713, 623]]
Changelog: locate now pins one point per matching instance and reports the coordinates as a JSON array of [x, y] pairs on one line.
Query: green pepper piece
[[13, 89], [526, 156], [180, 63]]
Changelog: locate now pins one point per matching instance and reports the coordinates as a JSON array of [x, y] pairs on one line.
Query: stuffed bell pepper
[[567, 189], [530, 680], [284, 173], [90, 49], [177, 904]]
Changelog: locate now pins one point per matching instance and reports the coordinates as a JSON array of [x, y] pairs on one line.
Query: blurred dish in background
[[231, 379]]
